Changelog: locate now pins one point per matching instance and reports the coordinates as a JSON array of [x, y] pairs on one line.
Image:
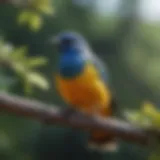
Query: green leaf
[[46, 9], [43, 6], [19, 53], [27, 87], [7, 48], [138, 118], [35, 22], [37, 80], [36, 62], [150, 110], [23, 17], [5, 51], [132, 116], [19, 68]]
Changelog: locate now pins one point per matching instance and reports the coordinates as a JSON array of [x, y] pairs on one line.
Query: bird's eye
[[67, 42]]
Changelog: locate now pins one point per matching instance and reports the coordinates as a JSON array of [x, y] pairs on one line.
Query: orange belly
[[85, 92]]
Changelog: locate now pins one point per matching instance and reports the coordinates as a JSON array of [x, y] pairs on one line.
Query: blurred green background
[[124, 33]]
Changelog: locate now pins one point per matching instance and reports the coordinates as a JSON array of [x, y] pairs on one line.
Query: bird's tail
[[101, 141]]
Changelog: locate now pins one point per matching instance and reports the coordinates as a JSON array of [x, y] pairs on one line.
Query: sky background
[[149, 9]]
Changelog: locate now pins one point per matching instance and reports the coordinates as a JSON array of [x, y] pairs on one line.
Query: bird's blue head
[[69, 42], [71, 47]]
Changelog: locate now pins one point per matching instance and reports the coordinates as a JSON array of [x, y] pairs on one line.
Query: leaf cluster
[[23, 66]]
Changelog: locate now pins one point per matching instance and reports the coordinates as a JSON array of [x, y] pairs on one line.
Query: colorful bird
[[82, 81]]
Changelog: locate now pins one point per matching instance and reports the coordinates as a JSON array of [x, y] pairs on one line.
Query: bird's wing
[[103, 71], [101, 68]]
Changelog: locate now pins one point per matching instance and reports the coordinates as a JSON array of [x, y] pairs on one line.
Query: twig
[[50, 113]]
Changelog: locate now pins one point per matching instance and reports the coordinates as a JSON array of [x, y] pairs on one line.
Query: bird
[[82, 80]]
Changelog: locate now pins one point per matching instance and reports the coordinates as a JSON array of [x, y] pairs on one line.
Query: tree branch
[[50, 113]]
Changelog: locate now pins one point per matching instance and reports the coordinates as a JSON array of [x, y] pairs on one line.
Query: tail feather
[[104, 141]]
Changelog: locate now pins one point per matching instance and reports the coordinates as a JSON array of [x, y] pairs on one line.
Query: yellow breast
[[84, 90]]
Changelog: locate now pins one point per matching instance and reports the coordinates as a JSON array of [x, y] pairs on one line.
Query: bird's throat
[[71, 67]]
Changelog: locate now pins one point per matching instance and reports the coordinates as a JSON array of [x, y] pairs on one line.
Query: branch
[[50, 113]]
